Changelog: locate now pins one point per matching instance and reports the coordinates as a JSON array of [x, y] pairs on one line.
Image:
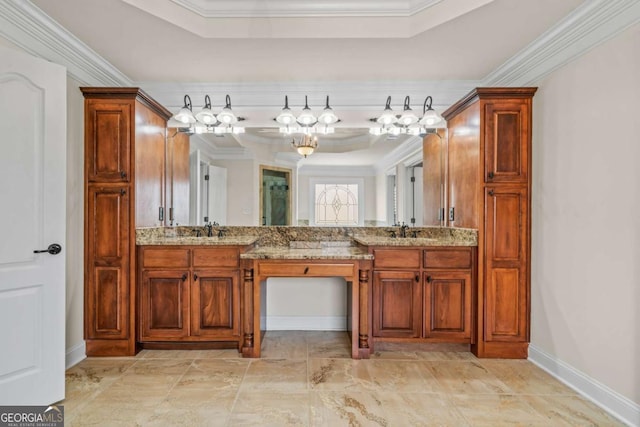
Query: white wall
[[75, 222], [586, 215], [242, 191]]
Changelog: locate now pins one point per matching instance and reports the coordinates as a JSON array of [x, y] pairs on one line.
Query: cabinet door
[[463, 169], [107, 263], [108, 140], [150, 154], [178, 175], [433, 179], [507, 132], [447, 305], [215, 304], [396, 304], [506, 275], [164, 305]]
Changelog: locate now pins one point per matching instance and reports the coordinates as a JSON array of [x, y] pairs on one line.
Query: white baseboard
[[75, 355], [608, 399], [305, 323]]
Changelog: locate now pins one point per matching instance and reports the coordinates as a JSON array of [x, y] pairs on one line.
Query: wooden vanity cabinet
[[423, 294], [489, 188], [189, 294], [124, 129]]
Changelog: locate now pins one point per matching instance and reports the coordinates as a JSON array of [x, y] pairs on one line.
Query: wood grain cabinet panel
[[396, 258], [506, 279], [447, 305], [107, 263], [215, 304], [507, 131], [216, 257], [396, 304], [108, 140], [164, 308]]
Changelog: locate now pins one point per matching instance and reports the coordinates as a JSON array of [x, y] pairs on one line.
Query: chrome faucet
[[209, 228], [403, 230], [221, 232]]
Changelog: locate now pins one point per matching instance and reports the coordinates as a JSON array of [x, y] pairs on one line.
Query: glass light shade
[[200, 128], [227, 117], [387, 117], [305, 145], [306, 118], [408, 117], [206, 116], [430, 118], [327, 117], [286, 117], [185, 116]]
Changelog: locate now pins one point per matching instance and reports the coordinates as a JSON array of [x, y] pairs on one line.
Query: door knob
[[53, 249]]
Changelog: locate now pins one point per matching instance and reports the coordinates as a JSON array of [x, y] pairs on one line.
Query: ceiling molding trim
[[336, 171], [589, 25], [219, 153], [296, 8], [31, 29], [407, 150]]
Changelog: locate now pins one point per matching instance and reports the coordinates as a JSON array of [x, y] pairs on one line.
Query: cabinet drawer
[[310, 269], [216, 257], [165, 258], [396, 258], [447, 258]]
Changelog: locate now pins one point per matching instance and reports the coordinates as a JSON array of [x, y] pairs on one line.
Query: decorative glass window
[[336, 204]]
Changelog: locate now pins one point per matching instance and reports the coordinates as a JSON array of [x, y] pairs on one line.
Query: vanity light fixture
[[306, 123], [305, 144], [206, 121], [407, 122]]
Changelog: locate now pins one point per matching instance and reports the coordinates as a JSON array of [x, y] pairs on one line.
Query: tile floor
[[308, 379]]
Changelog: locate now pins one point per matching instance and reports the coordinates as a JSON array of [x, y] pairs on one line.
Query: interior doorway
[[275, 195]]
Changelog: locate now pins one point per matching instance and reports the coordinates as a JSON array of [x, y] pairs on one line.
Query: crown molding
[[589, 25], [405, 152], [296, 8], [321, 170], [31, 29]]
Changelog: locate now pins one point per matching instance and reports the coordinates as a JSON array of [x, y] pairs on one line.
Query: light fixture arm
[[207, 101], [387, 106], [407, 101], [228, 101], [187, 102], [327, 105], [286, 102], [306, 104], [427, 104]]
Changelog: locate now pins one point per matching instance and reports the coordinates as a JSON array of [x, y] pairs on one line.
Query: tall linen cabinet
[[125, 172], [485, 163]]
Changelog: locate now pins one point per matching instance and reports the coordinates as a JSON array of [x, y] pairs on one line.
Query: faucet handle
[[393, 233]]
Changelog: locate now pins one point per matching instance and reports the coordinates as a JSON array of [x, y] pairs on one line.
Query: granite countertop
[[196, 241], [415, 241], [327, 252]]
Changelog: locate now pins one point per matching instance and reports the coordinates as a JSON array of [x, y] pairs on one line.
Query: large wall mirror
[[275, 195]]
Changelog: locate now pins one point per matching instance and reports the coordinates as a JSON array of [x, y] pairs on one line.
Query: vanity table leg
[[363, 327], [248, 349]]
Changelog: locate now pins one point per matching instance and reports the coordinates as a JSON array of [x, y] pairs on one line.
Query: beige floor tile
[[570, 411], [276, 374], [270, 408], [88, 378], [107, 414], [339, 374], [523, 377], [204, 408], [214, 374], [329, 345], [283, 345], [333, 409], [495, 410], [402, 376], [465, 377]]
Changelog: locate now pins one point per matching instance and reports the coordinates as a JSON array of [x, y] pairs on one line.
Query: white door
[[33, 194], [218, 194]]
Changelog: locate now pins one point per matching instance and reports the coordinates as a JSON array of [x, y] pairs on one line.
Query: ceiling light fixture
[[306, 123], [305, 144], [205, 121], [407, 122]]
